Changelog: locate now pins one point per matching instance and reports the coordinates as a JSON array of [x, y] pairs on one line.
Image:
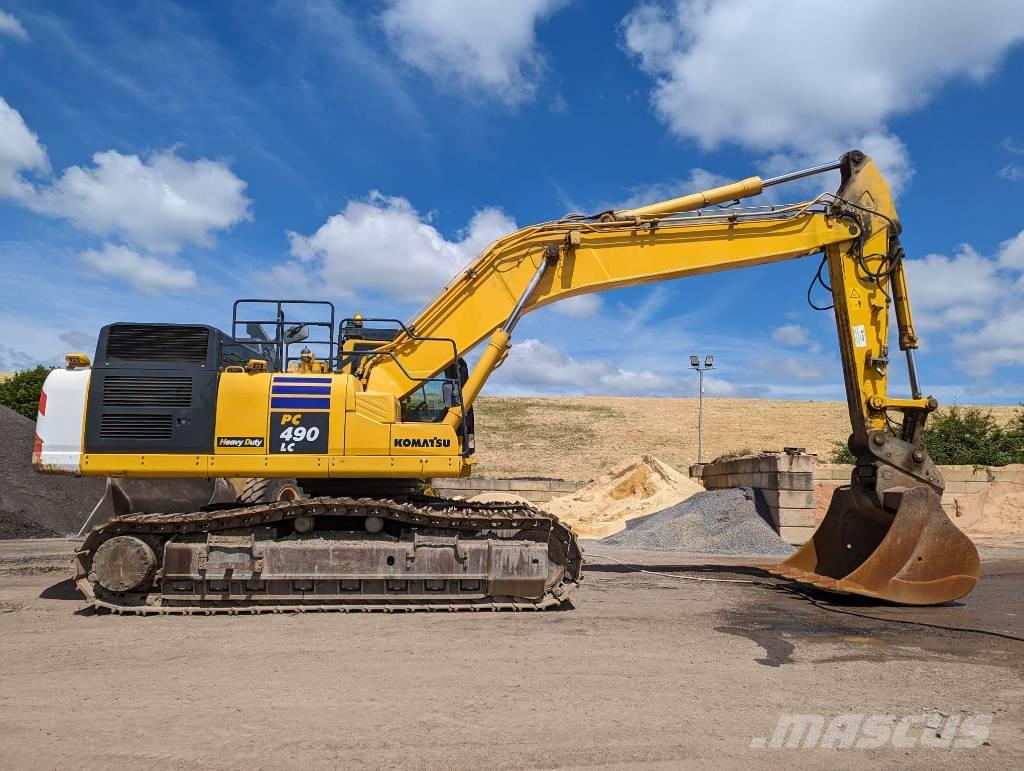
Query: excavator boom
[[363, 415]]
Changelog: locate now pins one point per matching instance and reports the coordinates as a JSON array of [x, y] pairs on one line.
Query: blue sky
[[158, 160]]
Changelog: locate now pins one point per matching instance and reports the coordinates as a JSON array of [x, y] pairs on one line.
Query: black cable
[[819, 280], [817, 604]]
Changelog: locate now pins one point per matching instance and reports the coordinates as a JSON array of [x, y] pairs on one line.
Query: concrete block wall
[[783, 482], [963, 483], [533, 490]]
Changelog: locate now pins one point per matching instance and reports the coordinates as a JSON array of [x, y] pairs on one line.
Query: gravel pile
[[34, 505], [710, 522]]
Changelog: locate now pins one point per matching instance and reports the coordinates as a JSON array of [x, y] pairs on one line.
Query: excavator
[[338, 447]]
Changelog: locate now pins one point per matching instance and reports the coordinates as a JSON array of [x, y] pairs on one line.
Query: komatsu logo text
[[431, 442]]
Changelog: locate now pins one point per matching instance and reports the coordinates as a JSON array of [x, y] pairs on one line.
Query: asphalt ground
[[648, 669]]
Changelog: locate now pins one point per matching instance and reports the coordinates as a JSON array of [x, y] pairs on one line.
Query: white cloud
[[1011, 252], [948, 292], [975, 302], [795, 336], [536, 368], [487, 45], [806, 79], [20, 151], [150, 275], [384, 245], [9, 25], [798, 369], [791, 334], [160, 202], [584, 306], [1013, 172]]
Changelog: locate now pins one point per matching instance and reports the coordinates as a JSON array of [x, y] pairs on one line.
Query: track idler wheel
[[916, 556], [123, 563]]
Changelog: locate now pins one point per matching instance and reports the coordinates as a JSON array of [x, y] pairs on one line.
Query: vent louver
[[147, 391], [126, 426], [149, 342]]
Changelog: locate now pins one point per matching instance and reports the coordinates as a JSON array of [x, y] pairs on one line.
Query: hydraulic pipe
[[498, 346], [745, 188], [551, 254], [801, 174]]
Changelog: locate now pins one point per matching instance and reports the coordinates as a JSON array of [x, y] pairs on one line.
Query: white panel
[[60, 429]]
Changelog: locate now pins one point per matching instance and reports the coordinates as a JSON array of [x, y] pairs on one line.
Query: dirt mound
[[711, 522], [997, 511], [34, 505], [639, 486]]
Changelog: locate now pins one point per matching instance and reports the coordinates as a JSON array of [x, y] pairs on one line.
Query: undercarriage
[[331, 553]]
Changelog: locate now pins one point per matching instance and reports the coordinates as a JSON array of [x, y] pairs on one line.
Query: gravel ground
[[648, 670], [37, 505], [712, 522]]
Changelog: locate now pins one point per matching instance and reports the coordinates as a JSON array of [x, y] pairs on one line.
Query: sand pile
[[997, 511], [711, 522], [639, 486], [36, 505]]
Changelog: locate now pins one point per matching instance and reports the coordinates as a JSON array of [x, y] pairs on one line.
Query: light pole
[[695, 364]]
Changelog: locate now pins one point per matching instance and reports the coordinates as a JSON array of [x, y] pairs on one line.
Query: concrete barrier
[[533, 490], [783, 483], [963, 483]]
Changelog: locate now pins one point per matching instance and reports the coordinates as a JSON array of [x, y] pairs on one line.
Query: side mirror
[[296, 334]]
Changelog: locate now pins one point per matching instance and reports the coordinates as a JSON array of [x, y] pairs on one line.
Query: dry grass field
[[581, 437]]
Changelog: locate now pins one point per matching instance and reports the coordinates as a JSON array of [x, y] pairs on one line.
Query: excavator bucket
[[908, 552]]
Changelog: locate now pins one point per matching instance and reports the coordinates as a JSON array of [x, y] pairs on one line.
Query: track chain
[[422, 511]]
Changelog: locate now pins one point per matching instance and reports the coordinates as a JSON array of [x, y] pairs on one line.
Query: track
[[432, 554]]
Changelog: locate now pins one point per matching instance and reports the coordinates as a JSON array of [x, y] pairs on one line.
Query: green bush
[[841, 454], [970, 437], [21, 391], [966, 436]]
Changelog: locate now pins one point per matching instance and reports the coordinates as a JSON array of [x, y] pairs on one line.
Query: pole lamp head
[[695, 361], [709, 361]]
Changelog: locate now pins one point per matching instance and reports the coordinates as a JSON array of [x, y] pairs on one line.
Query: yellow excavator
[[336, 446]]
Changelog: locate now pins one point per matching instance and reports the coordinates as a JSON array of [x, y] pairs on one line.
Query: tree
[[21, 391]]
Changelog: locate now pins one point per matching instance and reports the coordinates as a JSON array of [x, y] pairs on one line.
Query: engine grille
[[149, 342], [147, 391], [127, 426]]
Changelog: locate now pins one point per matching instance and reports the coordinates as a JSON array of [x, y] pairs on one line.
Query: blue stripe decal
[[300, 403], [290, 389], [280, 379]]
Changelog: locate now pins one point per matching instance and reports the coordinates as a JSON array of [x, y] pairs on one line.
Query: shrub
[[969, 437], [963, 436], [21, 391], [841, 454]]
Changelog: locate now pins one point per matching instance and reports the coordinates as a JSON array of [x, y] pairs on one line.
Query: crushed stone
[[34, 505], [709, 522]]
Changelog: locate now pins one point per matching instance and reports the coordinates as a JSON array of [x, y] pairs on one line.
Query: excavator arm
[[886, 534]]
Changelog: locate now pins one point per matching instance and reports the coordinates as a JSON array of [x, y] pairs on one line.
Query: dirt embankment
[[584, 437]]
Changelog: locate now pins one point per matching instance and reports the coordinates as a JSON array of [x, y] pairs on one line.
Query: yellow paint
[[307, 466], [242, 401]]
